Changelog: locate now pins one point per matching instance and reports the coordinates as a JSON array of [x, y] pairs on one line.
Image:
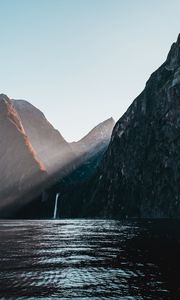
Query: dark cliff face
[[140, 173]]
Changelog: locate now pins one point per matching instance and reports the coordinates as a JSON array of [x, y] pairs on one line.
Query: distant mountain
[[51, 147], [89, 152], [20, 167], [96, 140], [140, 172]]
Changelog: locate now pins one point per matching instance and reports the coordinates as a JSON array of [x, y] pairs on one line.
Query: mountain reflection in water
[[90, 259]]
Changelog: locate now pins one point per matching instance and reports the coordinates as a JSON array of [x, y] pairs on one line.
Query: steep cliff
[[140, 173]]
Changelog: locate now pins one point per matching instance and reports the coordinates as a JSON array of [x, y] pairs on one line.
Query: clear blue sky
[[82, 61]]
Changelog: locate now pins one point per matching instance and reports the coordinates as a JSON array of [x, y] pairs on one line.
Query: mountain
[[96, 140], [140, 172], [20, 167], [90, 149], [89, 152], [51, 147]]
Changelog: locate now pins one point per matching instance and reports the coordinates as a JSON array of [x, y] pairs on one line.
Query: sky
[[83, 61]]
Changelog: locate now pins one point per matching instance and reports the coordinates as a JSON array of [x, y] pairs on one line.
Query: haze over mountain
[[89, 152], [33, 154], [21, 169], [49, 144]]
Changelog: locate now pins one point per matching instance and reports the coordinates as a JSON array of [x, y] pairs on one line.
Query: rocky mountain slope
[[20, 167], [140, 172], [51, 147], [32, 153]]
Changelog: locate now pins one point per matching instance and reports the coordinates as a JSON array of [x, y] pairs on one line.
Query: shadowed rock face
[[49, 144], [21, 169], [140, 172]]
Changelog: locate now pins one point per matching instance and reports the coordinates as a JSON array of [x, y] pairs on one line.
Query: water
[[90, 259]]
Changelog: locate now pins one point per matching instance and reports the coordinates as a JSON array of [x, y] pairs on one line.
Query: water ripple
[[88, 259]]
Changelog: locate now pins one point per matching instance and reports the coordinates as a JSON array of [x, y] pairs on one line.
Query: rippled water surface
[[90, 259]]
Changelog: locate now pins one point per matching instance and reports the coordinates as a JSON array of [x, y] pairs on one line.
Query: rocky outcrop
[[140, 173], [21, 169]]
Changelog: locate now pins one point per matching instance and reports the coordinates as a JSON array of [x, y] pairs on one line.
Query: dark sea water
[[90, 259]]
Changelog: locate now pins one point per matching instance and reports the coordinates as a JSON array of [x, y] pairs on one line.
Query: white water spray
[[55, 206]]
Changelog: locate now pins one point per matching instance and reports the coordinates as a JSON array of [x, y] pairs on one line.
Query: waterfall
[[55, 206]]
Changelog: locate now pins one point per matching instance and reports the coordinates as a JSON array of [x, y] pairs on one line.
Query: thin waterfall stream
[[55, 206]]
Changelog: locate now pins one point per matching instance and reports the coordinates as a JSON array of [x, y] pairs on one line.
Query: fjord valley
[[127, 169], [97, 218]]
